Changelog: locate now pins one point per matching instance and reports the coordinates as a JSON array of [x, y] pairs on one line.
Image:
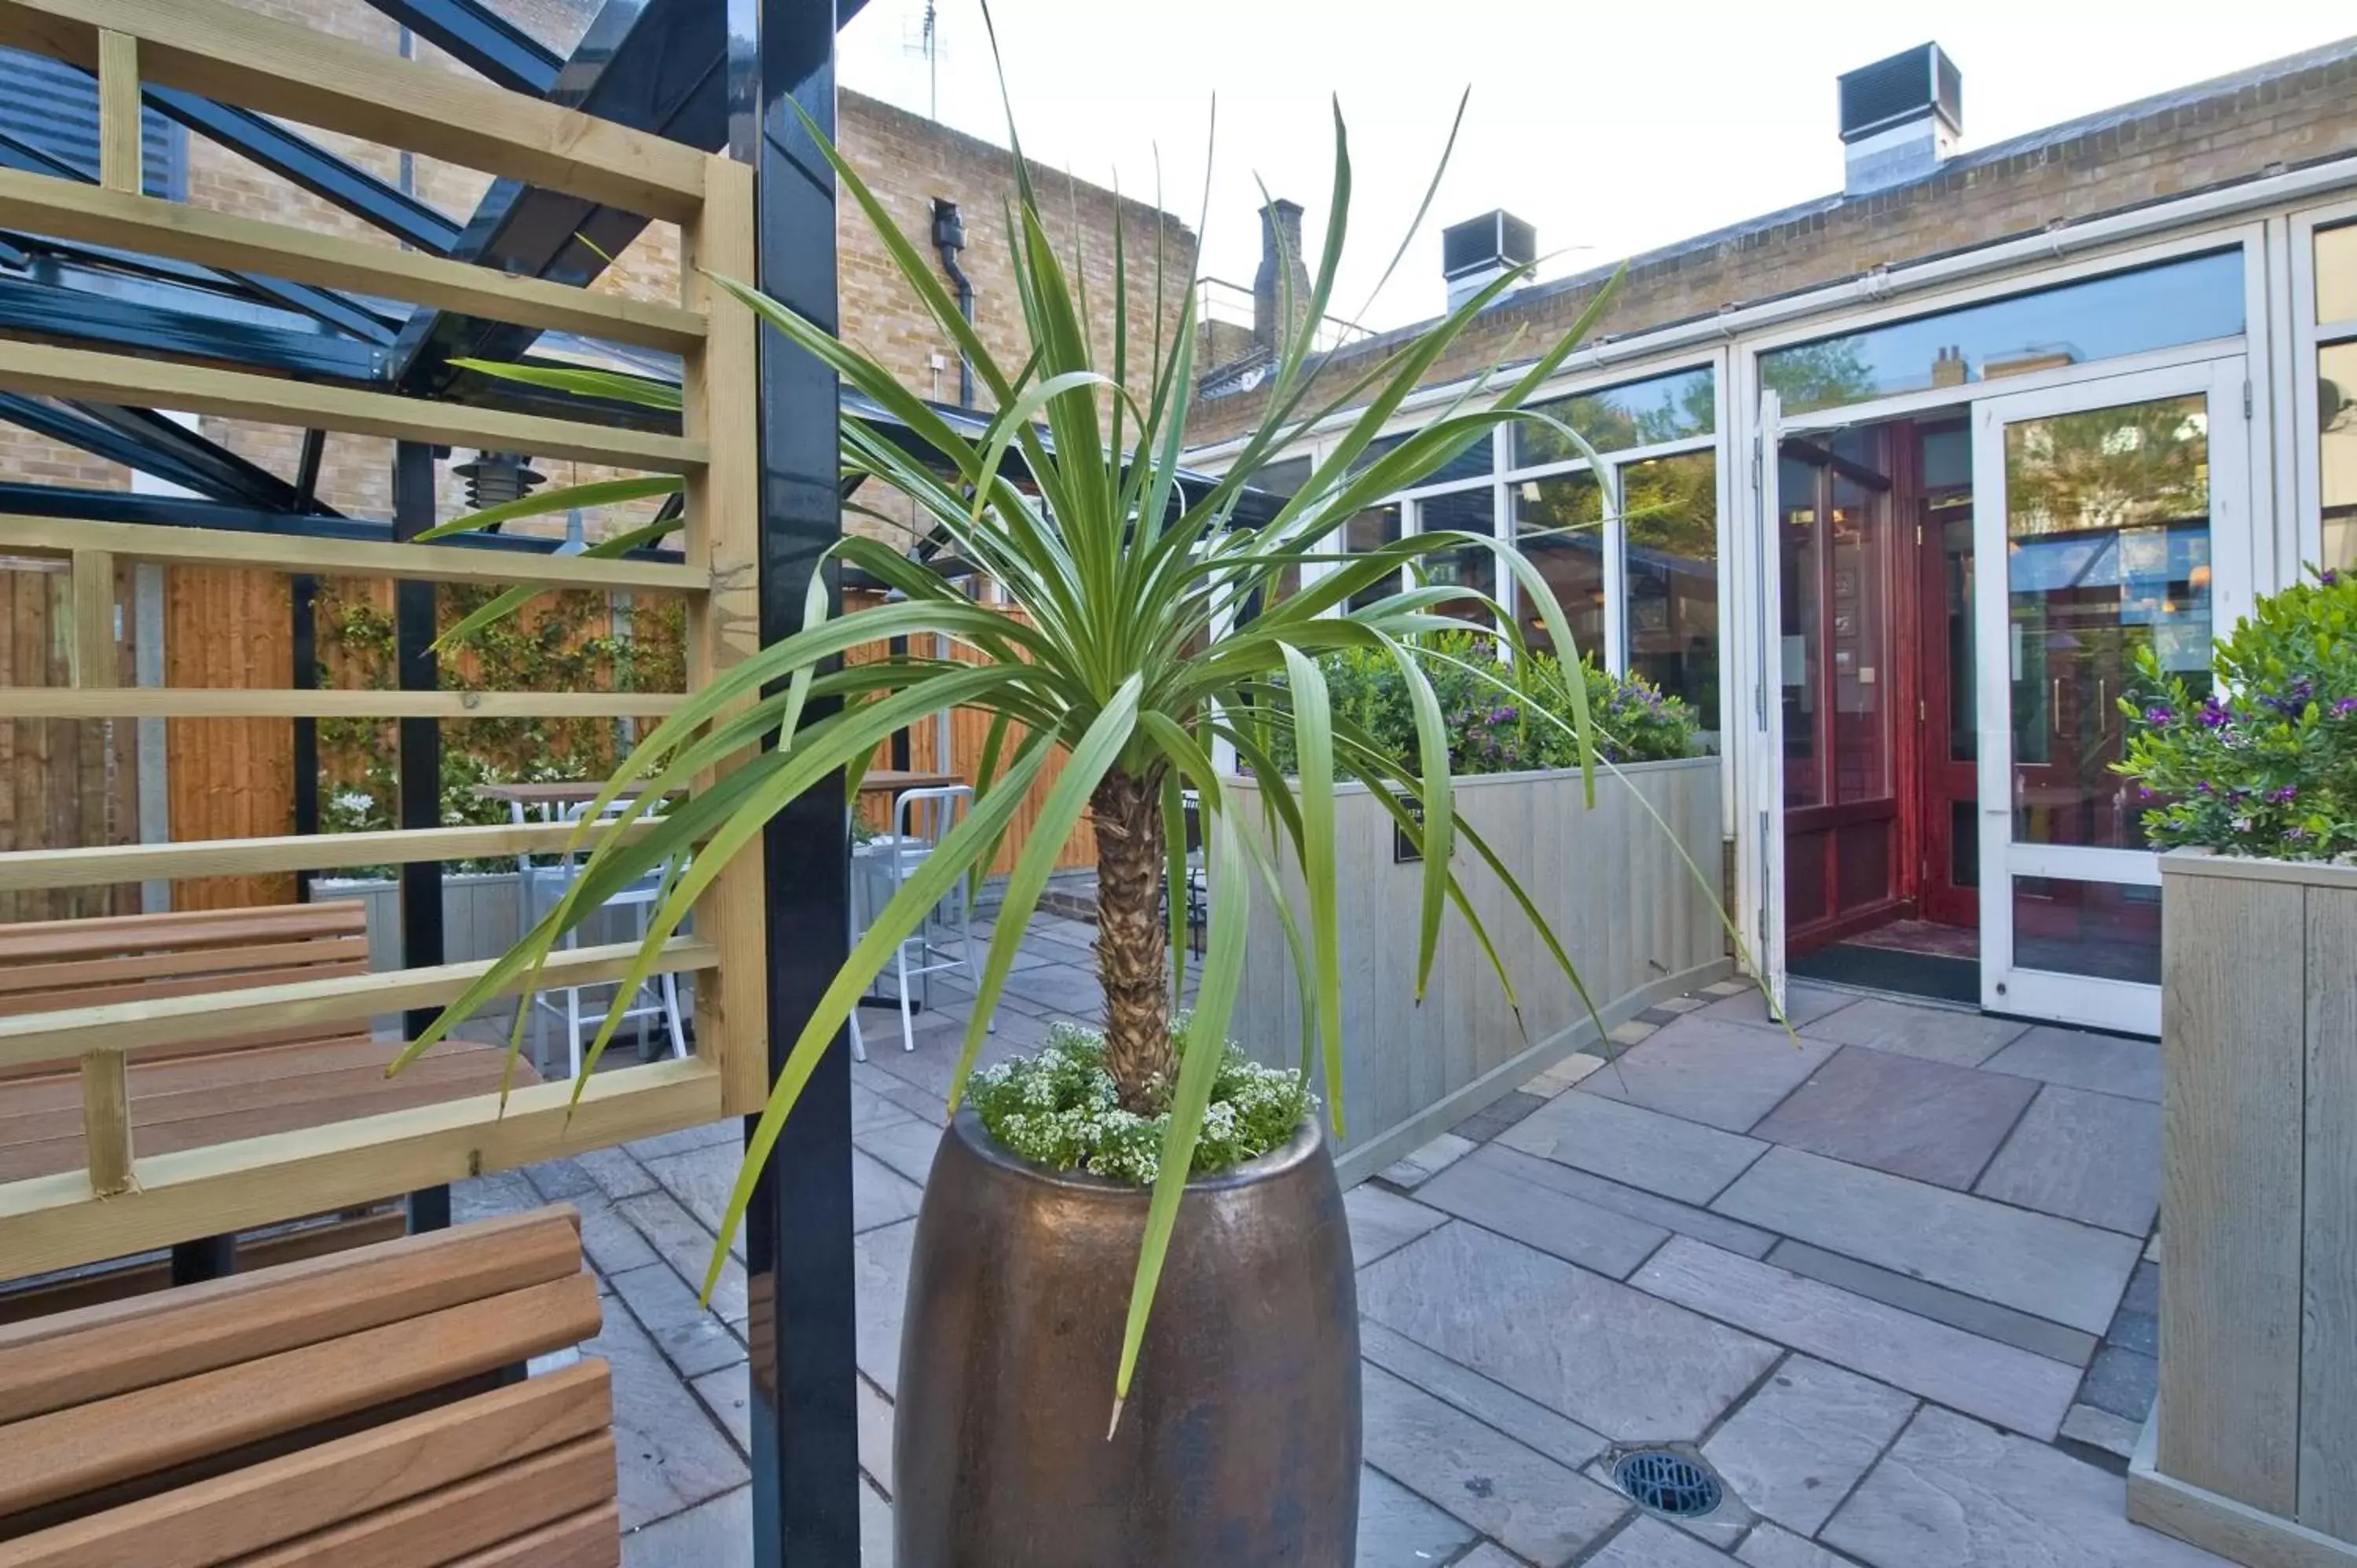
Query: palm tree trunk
[[1132, 941]]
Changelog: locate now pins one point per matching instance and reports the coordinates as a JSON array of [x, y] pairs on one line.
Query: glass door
[[2107, 511]]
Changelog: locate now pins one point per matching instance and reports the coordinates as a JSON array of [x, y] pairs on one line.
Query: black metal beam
[[137, 439], [486, 43], [798, 1231], [51, 310], [420, 785], [314, 168], [221, 473]]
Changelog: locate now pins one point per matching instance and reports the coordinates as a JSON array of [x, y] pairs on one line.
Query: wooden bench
[[365, 1410], [211, 1090]]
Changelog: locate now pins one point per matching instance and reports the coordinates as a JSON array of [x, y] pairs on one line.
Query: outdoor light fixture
[[495, 479]]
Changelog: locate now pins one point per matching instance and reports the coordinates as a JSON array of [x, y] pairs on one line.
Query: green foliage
[[2265, 762], [1528, 724], [1060, 1108]]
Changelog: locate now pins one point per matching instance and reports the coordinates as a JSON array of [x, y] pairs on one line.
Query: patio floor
[[1897, 1283]]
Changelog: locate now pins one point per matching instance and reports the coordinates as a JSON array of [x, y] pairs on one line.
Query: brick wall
[[2299, 115]]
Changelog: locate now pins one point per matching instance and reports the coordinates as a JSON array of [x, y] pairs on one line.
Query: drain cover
[[1667, 1483]]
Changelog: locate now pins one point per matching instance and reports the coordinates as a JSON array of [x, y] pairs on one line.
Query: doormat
[[1888, 969]]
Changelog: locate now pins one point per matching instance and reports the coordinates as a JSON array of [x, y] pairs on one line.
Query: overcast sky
[[1611, 127]]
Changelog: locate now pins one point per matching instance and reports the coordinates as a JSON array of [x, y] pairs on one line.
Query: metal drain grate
[[1666, 1483]]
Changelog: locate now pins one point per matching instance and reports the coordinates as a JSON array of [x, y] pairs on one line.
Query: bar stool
[[883, 865], [539, 888]]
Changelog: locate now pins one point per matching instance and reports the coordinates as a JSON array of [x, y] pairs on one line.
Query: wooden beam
[[53, 1222], [128, 1026], [721, 404], [100, 865], [47, 371], [343, 558], [245, 702], [118, 111], [232, 54], [93, 663], [106, 1121], [68, 210]]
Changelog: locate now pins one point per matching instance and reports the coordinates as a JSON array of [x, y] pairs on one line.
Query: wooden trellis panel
[[239, 57]]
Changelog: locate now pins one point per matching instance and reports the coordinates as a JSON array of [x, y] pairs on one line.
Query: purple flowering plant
[[2264, 762]]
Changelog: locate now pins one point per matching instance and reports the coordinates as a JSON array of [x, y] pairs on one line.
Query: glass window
[[1671, 506], [2190, 301], [2336, 408], [1559, 525], [1283, 479], [2336, 274], [1372, 530], [1801, 570], [1469, 566], [1473, 463], [1642, 414]]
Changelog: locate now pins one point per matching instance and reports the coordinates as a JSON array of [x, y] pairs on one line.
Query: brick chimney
[[1270, 328]]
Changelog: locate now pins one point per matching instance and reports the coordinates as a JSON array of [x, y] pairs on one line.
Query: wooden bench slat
[[222, 1069], [106, 935], [22, 980], [591, 1540], [20, 1300], [102, 1352], [266, 1505], [83, 1448], [462, 1520]]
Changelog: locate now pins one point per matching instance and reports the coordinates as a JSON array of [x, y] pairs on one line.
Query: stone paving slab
[[1952, 1493], [1508, 1192], [1533, 1425], [1804, 1004], [880, 1259], [2018, 1390], [687, 1247], [1794, 1449], [1924, 1120], [1399, 1529], [1623, 1363], [2104, 1063], [1428, 1160], [672, 1455], [907, 1147], [2094, 1157], [1382, 1222], [1713, 1071], [1771, 1547], [1529, 1503], [1969, 1313], [1637, 1147], [1649, 1543], [1912, 1028], [1664, 1213], [2055, 1268]]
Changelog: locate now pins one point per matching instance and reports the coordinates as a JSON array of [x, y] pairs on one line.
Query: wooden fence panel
[[64, 783]]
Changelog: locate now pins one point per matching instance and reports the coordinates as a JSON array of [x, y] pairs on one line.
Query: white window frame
[[2309, 336]]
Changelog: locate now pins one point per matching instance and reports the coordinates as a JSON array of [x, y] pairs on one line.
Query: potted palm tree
[[1051, 1413]]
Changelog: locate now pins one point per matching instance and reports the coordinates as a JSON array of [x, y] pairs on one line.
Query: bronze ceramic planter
[[1240, 1444]]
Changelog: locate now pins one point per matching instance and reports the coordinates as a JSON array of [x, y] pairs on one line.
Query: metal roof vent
[[1478, 249], [1900, 117]]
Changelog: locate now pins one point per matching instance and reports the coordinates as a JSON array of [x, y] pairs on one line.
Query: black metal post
[[798, 1240], [305, 605], [420, 789]]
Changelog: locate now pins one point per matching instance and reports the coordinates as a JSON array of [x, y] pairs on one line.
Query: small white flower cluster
[[1058, 1107]]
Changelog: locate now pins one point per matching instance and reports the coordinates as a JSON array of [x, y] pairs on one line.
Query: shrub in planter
[[1219, 1332], [2260, 759]]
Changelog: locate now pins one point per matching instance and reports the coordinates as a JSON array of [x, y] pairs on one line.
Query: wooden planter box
[[1637, 923], [2252, 1448]]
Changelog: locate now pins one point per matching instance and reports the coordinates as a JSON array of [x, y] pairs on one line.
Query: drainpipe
[[949, 238]]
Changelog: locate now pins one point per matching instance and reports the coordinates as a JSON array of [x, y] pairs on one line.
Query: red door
[[1947, 734]]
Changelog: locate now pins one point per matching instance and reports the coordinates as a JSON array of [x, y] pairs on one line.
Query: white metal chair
[[540, 886], [883, 865]]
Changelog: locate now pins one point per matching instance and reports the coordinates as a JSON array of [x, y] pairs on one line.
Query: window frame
[[2310, 338]]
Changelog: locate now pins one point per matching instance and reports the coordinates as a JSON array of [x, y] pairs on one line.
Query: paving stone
[[1635, 1032], [1771, 1547], [727, 1395], [1649, 1543], [1512, 1194], [1710, 1069], [1639, 1147], [875, 1434], [672, 1455], [1803, 1004], [2121, 1381], [2144, 1289], [1902, 1114], [688, 1246], [2152, 1249], [1621, 1362], [1488, 1555], [2011, 1387], [870, 1109], [1533, 1425], [2055, 1268], [2104, 1063], [2137, 1331], [1399, 1529], [1528, 1502], [1969, 1313], [487, 1197], [1794, 1449], [2115, 1434], [907, 1146], [693, 1339], [1066, 990], [611, 1243], [1498, 1116], [1414, 1170], [2083, 1156], [558, 1181], [1666, 1213], [1676, 1004], [1384, 1221], [715, 1533], [875, 1528], [1949, 1035], [1954, 1494], [728, 1131], [1563, 1075], [880, 1194], [881, 1259], [615, 1173]]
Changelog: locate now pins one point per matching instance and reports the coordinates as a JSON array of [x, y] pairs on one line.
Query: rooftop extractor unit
[[1900, 117], [1478, 249]]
